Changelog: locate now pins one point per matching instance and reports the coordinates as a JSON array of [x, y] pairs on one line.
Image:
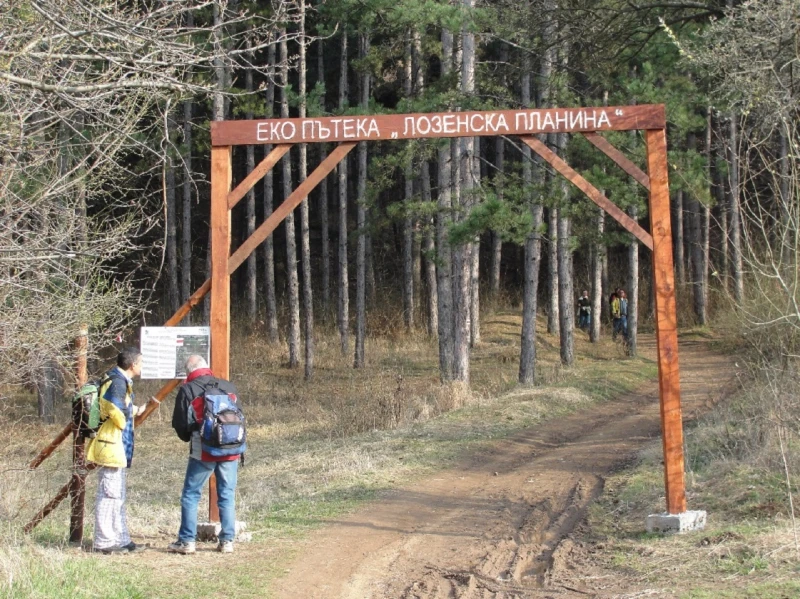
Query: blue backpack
[[223, 431]]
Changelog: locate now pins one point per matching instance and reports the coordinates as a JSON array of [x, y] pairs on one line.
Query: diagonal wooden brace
[[590, 190]]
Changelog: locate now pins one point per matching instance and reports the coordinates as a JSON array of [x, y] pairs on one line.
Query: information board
[[165, 349]]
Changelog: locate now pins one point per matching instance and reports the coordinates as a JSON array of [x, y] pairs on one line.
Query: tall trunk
[[633, 287], [292, 283], [186, 210], [251, 300], [552, 272], [324, 219], [463, 254], [408, 221], [566, 294], [361, 266], [429, 249], [428, 245], [497, 241], [680, 261], [784, 199], [696, 244], [444, 284], [269, 245], [475, 283], [605, 309], [343, 314], [305, 236], [735, 213], [597, 278], [173, 291], [533, 252]]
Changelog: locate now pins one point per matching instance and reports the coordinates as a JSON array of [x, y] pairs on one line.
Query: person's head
[[130, 360], [613, 295], [622, 293], [585, 293], [194, 362]]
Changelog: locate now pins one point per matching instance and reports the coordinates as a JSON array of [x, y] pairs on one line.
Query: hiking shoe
[[225, 547], [134, 548], [184, 547]]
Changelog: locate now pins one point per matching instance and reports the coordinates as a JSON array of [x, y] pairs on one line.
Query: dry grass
[[316, 447]]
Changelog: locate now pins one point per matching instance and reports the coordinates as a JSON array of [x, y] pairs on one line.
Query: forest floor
[[510, 493], [509, 521]]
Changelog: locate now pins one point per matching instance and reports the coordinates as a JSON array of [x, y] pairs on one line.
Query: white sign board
[[165, 349]]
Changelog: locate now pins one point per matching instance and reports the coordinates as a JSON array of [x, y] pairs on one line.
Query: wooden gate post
[[666, 322], [77, 487], [220, 282]]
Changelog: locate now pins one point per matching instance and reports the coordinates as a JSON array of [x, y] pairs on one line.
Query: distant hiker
[[192, 420], [112, 450], [584, 311], [614, 303], [623, 314]]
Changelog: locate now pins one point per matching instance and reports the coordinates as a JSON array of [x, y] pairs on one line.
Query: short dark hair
[[128, 357]]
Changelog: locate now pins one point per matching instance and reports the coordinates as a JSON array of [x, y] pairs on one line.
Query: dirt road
[[499, 525]]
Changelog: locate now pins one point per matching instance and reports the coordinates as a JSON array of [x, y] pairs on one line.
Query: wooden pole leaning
[[666, 322]]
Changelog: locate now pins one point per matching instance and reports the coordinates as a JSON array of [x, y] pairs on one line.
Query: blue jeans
[[584, 320], [621, 326], [197, 474]]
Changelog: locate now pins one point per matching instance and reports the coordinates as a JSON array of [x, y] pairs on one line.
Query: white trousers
[[110, 517]]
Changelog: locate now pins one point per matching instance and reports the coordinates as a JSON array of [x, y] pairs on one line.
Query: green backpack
[[86, 408]]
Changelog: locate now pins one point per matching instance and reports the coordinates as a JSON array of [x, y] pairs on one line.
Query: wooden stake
[[78, 483], [666, 322]]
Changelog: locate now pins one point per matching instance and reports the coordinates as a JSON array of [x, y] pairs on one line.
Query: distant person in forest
[[112, 450], [623, 314], [584, 311], [190, 407], [614, 306]]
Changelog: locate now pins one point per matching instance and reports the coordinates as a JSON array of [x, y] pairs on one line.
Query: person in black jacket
[[186, 419]]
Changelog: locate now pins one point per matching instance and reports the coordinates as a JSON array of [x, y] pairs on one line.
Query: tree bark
[[497, 241], [323, 203], [343, 314], [251, 300], [269, 244], [680, 261], [186, 210], [408, 221], [361, 266], [533, 253], [444, 281], [173, 291], [305, 236], [633, 287], [292, 283], [597, 278], [735, 212], [552, 272], [429, 248]]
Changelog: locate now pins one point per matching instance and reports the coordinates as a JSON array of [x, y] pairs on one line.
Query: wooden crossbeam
[[257, 174], [289, 204], [590, 190], [602, 144]]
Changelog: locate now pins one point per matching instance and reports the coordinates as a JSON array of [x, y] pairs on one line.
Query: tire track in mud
[[499, 526]]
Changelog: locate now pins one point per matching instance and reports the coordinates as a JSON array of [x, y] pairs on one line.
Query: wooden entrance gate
[[527, 125]]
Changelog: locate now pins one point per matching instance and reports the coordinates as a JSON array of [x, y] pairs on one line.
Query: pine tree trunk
[[186, 211], [735, 213], [633, 287], [173, 291], [680, 261], [269, 244], [597, 278], [408, 221], [533, 253], [497, 241], [343, 314], [429, 249], [251, 300], [463, 254], [361, 266], [552, 272], [292, 283], [444, 263], [305, 235], [475, 283], [324, 217]]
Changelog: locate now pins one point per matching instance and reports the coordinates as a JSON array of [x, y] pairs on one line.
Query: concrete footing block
[[683, 522], [209, 531]]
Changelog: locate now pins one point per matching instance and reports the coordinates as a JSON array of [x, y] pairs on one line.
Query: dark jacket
[[188, 412]]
